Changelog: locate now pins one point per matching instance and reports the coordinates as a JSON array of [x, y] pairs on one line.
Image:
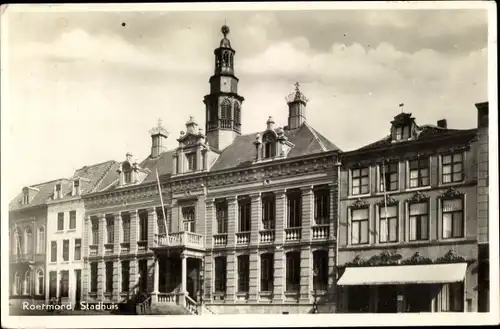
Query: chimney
[[191, 126], [442, 123], [129, 156], [482, 114], [270, 123], [296, 108], [158, 140]]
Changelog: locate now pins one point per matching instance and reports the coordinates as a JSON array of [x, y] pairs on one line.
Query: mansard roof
[[241, 153], [43, 193], [428, 133], [92, 175]]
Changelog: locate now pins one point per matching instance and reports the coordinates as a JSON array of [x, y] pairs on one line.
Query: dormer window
[[269, 146], [76, 187], [402, 133], [127, 173], [26, 198], [58, 191], [191, 161]]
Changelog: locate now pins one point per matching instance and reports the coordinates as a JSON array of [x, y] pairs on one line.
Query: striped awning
[[403, 274]]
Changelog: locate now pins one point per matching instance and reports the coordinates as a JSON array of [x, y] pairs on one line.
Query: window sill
[[59, 232], [421, 188], [378, 193], [242, 294], [357, 196], [451, 184], [64, 262], [71, 230]]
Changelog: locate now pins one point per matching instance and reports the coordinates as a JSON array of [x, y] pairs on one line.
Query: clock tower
[[223, 104]]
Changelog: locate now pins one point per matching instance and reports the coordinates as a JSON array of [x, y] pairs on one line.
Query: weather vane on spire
[[297, 85]]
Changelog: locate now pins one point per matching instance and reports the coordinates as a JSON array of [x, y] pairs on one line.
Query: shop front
[[404, 288]]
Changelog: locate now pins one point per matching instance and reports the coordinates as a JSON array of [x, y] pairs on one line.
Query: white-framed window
[[243, 273], [126, 228], [268, 212], [26, 283], [294, 211], [60, 221], [78, 249], [452, 218], [40, 247], [452, 168], [53, 251], [268, 145], [65, 250], [320, 270], [360, 181], [419, 221], [322, 206], [26, 198], [388, 223], [94, 231], [360, 225], [292, 271], [72, 219], [419, 172], [40, 282], [191, 161], [244, 215], [221, 217], [16, 288], [110, 230], [266, 272], [389, 177], [93, 277], [17, 243], [188, 214], [220, 269], [402, 132], [28, 241], [127, 173]]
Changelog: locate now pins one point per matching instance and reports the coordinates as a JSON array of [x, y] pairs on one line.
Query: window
[[18, 250], [110, 230], [40, 282], [321, 207], [244, 215], [266, 272], [452, 168], [450, 298], [127, 173], [360, 181], [359, 226], [162, 228], [243, 273], [78, 249], [65, 250], [402, 133], [188, 219], [52, 284], [419, 221], [60, 221], [143, 226], [237, 113], [191, 161], [40, 247], [269, 145], [64, 284], [53, 251], [26, 283], [16, 289], [268, 212], [26, 198], [419, 173], [93, 277], [320, 268], [389, 177], [125, 275], [226, 110], [294, 213], [76, 187], [453, 218], [72, 219], [293, 271], [220, 274], [126, 228], [28, 241], [221, 217], [95, 231], [109, 277], [388, 224]]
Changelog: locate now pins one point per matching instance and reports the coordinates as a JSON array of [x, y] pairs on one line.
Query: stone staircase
[[168, 309]]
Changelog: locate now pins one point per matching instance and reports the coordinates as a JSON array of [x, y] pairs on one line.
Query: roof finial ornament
[[297, 85], [401, 106], [159, 129], [225, 29]]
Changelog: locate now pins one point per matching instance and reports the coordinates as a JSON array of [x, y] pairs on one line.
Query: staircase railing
[[145, 306], [191, 305]]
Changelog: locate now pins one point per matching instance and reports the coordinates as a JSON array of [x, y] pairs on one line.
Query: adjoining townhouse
[[28, 230], [408, 230], [248, 220], [65, 213], [482, 207]]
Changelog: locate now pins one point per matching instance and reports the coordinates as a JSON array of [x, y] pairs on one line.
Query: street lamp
[[315, 285]]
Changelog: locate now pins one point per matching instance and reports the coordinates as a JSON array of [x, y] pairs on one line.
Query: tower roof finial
[[297, 95], [159, 129], [225, 29]]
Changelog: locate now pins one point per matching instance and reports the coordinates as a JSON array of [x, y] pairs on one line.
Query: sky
[[86, 87]]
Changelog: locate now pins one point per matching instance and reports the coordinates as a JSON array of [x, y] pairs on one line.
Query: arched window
[[237, 113], [231, 60], [226, 109], [26, 283], [39, 284], [16, 241], [28, 241], [269, 145], [127, 172], [225, 59], [16, 287], [40, 247]]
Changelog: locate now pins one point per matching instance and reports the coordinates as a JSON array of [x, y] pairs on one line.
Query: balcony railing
[[243, 238], [266, 236], [180, 239], [220, 239], [293, 233], [320, 232], [22, 257]]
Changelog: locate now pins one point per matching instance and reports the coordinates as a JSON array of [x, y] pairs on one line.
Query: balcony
[[220, 239], [266, 236], [243, 238], [293, 234], [320, 232], [93, 250], [180, 239]]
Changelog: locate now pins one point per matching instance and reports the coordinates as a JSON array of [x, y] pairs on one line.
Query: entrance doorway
[[78, 290], [387, 301], [143, 272]]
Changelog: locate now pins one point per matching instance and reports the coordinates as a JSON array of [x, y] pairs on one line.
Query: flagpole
[[385, 203], [162, 207]]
